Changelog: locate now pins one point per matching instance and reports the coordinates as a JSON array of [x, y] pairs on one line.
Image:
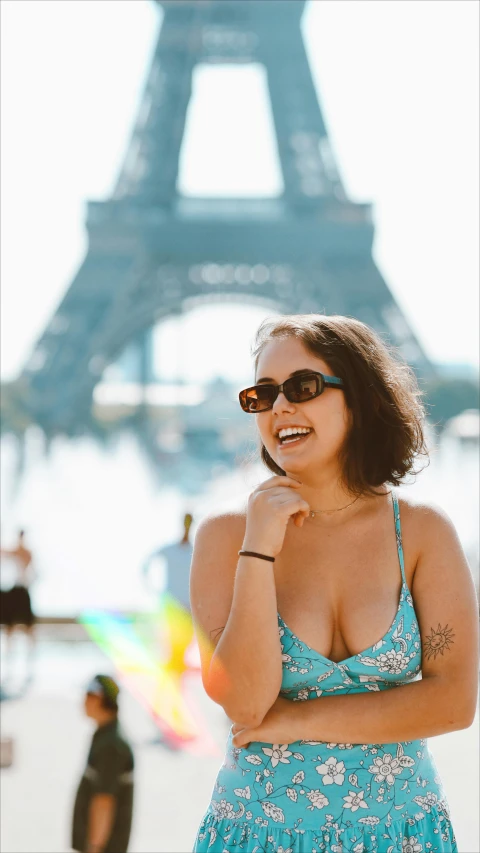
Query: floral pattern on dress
[[316, 797]]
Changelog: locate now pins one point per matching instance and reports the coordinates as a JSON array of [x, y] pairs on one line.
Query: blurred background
[[172, 173]]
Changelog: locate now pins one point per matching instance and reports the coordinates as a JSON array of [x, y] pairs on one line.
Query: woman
[[342, 593]]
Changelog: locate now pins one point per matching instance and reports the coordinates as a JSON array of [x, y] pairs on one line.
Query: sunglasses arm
[[333, 381]]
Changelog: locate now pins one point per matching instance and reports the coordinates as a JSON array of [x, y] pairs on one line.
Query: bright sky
[[399, 88]]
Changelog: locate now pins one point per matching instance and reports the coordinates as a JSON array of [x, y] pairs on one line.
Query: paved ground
[[172, 789]]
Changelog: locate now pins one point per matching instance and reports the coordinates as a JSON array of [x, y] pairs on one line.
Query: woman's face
[[325, 417]]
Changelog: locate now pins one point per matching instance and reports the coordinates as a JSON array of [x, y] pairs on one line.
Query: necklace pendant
[[312, 515]]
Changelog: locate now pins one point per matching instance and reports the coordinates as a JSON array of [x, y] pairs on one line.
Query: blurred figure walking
[[176, 559], [173, 590], [102, 814], [15, 603]]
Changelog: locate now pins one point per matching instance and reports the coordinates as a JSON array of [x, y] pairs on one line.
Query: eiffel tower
[[152, 253]]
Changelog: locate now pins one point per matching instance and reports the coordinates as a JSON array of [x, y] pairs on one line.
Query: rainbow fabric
[[157, 660]]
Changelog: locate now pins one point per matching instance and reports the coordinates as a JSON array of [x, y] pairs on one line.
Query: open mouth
[[293, 436]]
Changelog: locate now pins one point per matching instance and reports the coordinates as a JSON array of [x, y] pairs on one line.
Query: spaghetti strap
[[398, 534]]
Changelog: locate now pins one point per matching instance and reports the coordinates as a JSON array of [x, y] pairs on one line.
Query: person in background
[[174, 596], [177, 558], [102, 814], [16, 606]]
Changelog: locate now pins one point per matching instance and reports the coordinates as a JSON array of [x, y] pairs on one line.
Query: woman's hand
[[278, 726], [270, 507]]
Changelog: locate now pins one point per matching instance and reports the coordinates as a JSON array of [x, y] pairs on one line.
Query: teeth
[[293, 431]]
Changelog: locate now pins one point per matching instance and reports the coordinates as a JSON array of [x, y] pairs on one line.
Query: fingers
[[239, 740], [272, 482], [300, 516], [283, 496], [297, 510], [295, 502], [240, 735], [280, 497], [292, 498]]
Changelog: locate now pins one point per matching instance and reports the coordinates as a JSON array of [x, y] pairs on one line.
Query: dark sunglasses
[[297, 389]]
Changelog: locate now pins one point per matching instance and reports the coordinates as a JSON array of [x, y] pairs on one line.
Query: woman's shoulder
[[423, 521], [432, 542], [420, 510], [215, 553], [222, 528]]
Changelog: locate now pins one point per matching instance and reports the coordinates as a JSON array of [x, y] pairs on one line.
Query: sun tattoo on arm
[[438, 642]]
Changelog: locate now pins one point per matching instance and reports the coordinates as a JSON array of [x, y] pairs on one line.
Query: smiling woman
[[381, 392], [326, 753]]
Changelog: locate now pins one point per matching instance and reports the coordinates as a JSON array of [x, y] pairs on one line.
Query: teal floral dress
[[316, 797]]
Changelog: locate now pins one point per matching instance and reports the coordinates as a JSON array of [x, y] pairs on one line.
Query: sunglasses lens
[[298, 389], [257, 399], [302, 388]]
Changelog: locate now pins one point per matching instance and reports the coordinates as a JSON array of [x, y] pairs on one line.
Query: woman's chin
[[291, 466], [303, 468]]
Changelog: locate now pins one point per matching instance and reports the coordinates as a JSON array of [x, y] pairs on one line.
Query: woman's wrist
[[257, 555], [258, 547]]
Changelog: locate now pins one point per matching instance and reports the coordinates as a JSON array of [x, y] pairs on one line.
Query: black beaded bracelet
[[254, 554]]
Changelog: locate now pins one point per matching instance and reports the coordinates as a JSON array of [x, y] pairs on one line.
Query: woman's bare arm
[[234, 607], [443, 701], [236, 598]]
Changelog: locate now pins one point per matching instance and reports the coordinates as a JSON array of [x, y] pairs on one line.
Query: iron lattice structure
[[152, 253]]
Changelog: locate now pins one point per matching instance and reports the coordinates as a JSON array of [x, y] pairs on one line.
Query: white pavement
[[51, 739]]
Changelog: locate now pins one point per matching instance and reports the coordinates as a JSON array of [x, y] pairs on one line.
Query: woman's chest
[[339, 597]]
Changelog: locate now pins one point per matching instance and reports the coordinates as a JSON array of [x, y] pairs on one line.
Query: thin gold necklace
[[314, 512]]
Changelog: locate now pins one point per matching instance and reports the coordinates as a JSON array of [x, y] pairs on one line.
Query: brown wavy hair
[[386, 435]]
